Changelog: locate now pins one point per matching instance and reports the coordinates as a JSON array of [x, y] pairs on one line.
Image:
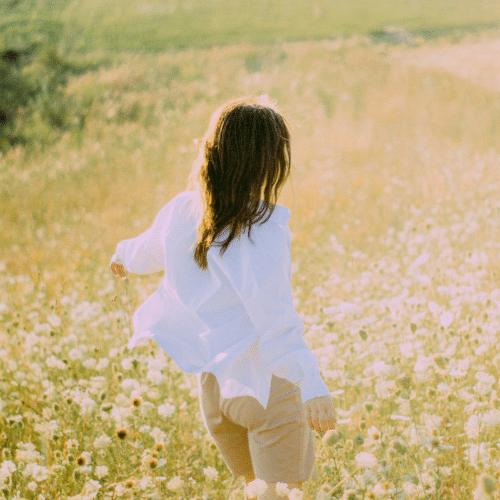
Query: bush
[[33, 108]]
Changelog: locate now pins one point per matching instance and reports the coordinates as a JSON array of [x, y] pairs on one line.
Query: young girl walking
[[228, 315]]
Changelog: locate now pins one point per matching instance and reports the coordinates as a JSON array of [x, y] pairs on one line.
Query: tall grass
[[396, 260]]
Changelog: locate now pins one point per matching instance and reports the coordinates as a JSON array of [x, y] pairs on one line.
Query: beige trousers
[[276, 444]]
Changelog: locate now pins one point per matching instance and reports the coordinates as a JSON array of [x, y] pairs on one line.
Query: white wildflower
[[158, 435], [255, 488], [428, 481], [103, 441], [457, 373], [485, 378], [421, 366], [120, 414], [166, 410], [445, 471], [9, 466], [385, 489], [407, 349], [127, 364], [54, 320], [32, 486], [336, 245], [155, 376], [75, 354], [410, 488], [211, 472], [48, 429], [129, 384], [373, 433], [91, 486], [87, 406], [485, 381], [491, 417], [443, 388], [472, 428], [175, 484], [71, 444], [400, 417], [381, 368], [101, 471], [89, 363], [446, 319], [6, 470], [146, 482], [367, 460], [157, 363], [37, 472], [482, 349], [102, 364], [431, 421], [433, 307], [282, 489], [477, 453], [383, 388], [296, 494], [53, 362]]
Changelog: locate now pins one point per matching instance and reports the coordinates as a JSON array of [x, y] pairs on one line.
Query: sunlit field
[[395, 200]]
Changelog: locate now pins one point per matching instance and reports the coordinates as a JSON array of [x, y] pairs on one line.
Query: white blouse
[[237, 319]]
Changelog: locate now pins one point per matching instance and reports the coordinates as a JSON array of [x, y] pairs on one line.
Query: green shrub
[[34, 110]]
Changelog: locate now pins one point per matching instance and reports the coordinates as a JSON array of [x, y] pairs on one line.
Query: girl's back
[[230, 312]]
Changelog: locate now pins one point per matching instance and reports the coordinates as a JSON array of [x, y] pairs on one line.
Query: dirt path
[[478, 62]]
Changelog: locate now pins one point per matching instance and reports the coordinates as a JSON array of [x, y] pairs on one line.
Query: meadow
[[396, 260], [158, 25]]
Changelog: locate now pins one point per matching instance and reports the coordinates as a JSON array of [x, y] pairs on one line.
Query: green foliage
[[156, 25], [33, 75], [15, 90], [39, 40]]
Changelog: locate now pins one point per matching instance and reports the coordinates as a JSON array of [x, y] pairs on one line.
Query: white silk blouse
[[236, 319]]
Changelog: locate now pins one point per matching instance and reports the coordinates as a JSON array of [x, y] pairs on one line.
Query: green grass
[[155, 25]]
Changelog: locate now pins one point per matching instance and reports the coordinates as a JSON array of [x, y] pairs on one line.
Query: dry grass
[[395, 220]]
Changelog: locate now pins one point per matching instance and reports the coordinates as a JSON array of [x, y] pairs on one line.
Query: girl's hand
[[118, 270], [320, 413]]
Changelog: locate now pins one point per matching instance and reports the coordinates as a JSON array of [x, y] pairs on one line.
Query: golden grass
[[395, 161]]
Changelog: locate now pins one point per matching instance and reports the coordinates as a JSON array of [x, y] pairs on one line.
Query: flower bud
[[488, 483], [331, 437], [358, 440], [400, 448]]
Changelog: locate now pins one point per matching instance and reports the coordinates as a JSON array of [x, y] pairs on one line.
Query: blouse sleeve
[[261, 275], [145, 253]]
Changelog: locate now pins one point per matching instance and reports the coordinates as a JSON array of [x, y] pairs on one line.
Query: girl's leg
[[248, 479]]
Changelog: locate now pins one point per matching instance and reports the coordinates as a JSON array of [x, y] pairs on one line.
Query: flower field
[[395, 200]]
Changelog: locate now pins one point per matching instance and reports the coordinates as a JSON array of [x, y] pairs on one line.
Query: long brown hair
[[244, 155]]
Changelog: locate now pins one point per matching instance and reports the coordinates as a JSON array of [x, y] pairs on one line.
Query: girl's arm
[[261, 275], [145, 253]]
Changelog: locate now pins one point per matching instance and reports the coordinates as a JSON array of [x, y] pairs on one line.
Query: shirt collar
[[280, 214]]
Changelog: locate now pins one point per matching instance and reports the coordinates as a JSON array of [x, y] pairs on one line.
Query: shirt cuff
[[313, 388], [116, 259]]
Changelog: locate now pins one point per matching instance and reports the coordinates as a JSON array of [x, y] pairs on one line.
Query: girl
[[229, 316]]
